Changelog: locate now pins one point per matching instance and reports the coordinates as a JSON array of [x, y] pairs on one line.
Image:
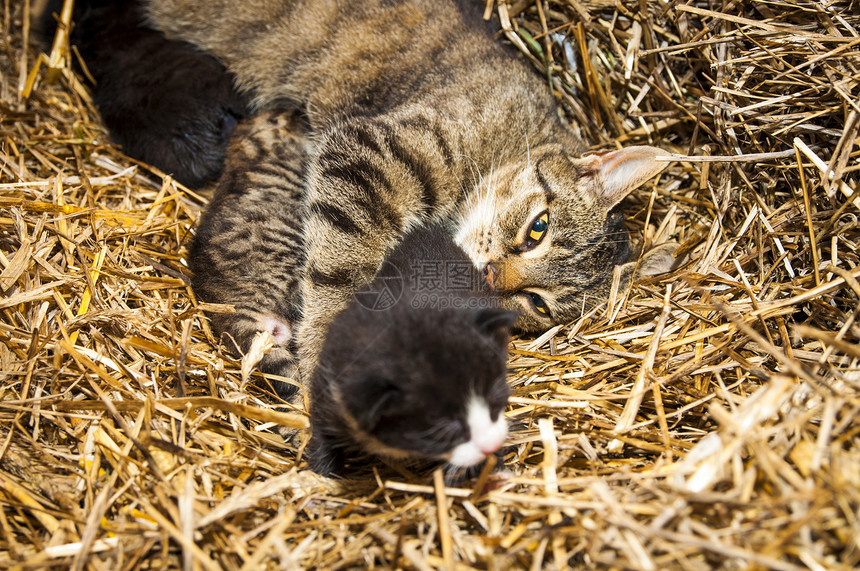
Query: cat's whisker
[[473, 168], [453, 475], [442, 432], [464, 190]]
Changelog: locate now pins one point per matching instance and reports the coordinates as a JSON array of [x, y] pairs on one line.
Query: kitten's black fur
[[164, 101], [400, 364]]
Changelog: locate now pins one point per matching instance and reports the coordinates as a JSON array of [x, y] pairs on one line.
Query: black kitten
[[167, 103], [415, 367]]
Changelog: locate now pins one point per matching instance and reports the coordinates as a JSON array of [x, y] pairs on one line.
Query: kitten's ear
[[615, 174], [374, 396], [496, 322]]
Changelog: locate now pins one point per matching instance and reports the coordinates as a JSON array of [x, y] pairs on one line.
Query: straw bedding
[[704, 420]]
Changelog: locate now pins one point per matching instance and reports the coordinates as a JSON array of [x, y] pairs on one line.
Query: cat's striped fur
[[416, 115], [248, 250]]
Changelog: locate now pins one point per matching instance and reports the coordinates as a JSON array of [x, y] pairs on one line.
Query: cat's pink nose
[[487, 450], [489, 445], [490, 275]]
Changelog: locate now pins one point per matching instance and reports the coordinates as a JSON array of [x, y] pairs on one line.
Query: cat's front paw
[[658, 260]]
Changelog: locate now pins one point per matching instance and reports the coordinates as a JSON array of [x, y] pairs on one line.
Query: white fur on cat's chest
[[486, 435]]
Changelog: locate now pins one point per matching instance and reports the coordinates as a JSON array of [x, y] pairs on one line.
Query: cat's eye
[[539, 304], [536, 231]]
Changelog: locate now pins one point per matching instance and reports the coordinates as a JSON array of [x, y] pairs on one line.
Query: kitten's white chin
[[487, 435]]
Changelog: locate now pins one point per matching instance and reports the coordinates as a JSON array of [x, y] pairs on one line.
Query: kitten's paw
[[324, 458], [264, 342]]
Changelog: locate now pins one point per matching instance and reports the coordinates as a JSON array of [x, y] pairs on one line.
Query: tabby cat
[[414, 368], [248, 250], [415, 115]]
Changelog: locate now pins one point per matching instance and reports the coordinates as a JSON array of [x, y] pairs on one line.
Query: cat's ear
[[496, 323], [612, 175], [371, 398]]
